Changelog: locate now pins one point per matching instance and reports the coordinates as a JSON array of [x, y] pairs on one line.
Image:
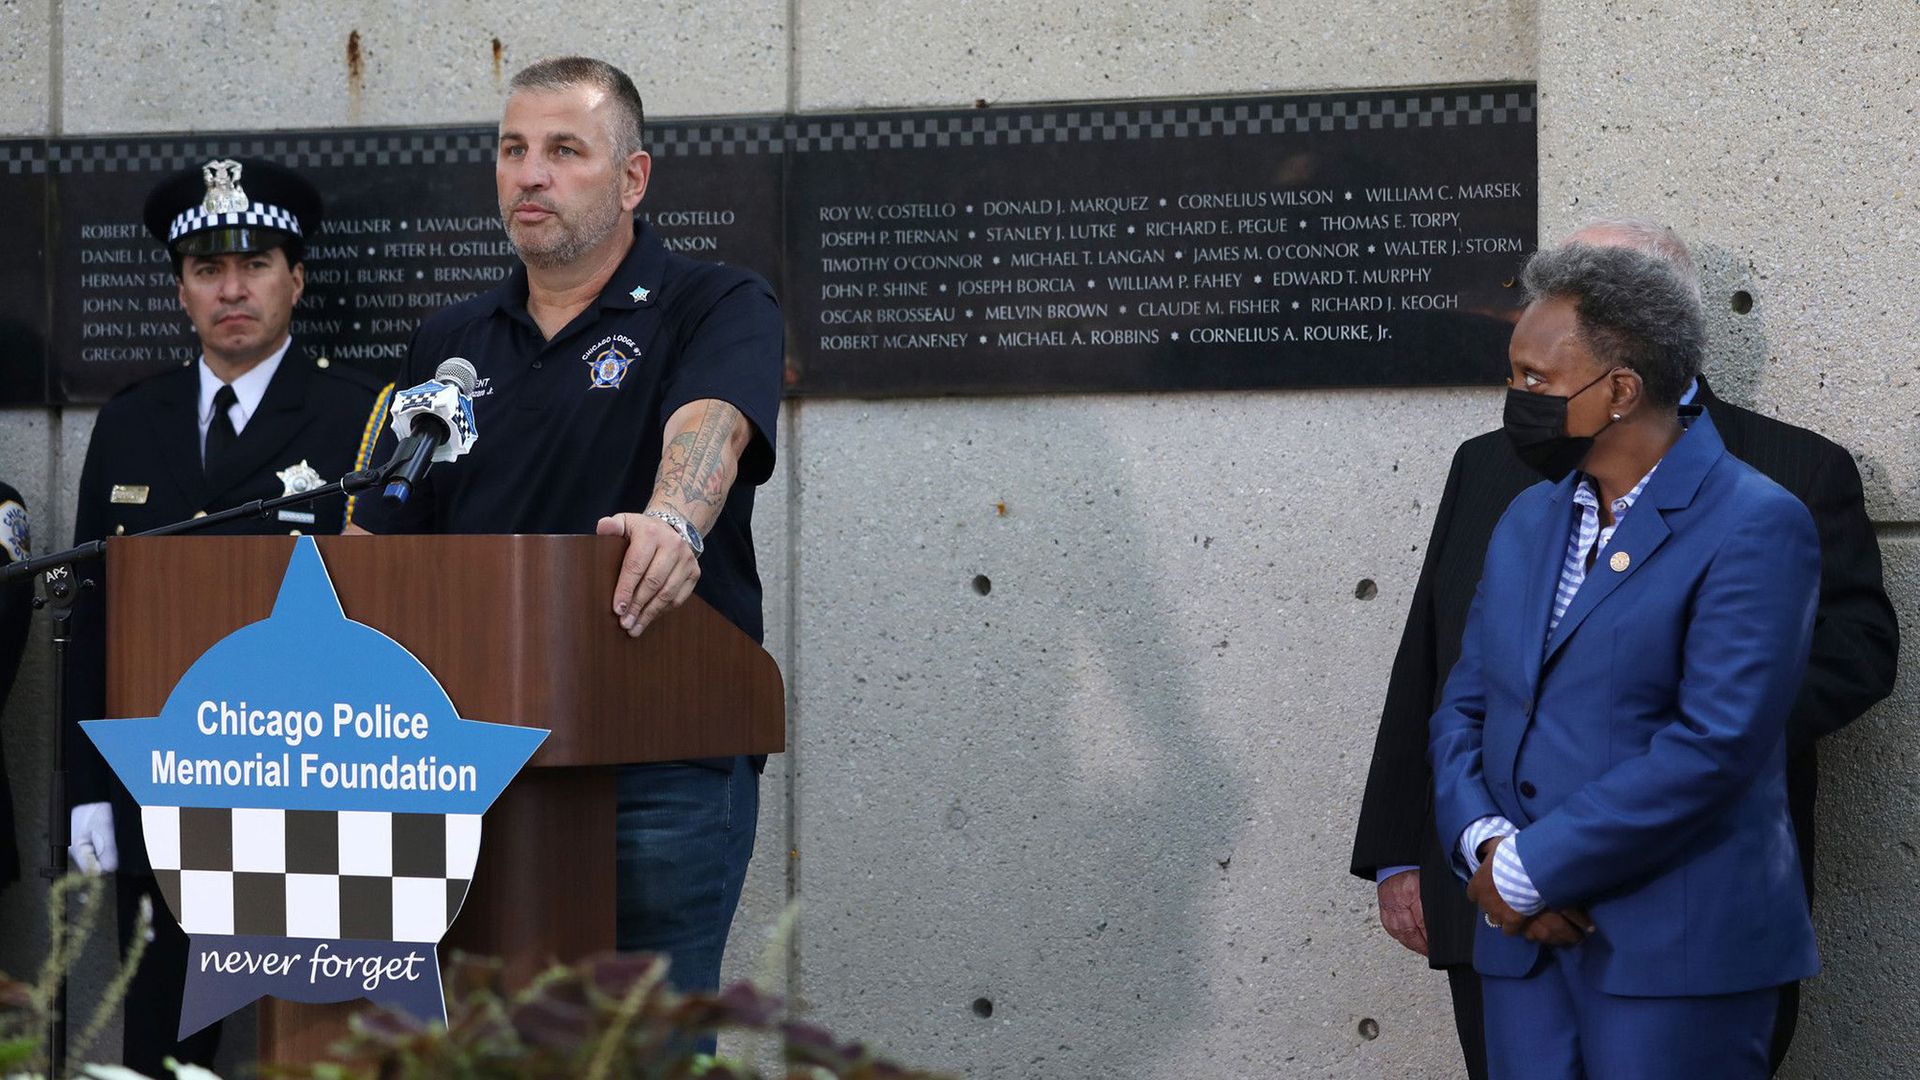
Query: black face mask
[[1536, 425]]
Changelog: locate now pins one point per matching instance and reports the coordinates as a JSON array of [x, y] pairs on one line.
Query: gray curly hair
[[1634, 311]]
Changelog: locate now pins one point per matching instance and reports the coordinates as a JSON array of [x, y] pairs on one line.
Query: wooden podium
[[519, 630]]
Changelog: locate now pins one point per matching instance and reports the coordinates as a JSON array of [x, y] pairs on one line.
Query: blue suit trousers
[[1552, 1024]]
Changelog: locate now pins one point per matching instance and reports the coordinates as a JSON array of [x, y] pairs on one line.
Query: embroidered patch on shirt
[[608, 361], [15, 536]]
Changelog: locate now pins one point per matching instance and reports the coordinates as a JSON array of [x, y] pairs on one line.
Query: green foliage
[[610, 1016], [27, 1009]]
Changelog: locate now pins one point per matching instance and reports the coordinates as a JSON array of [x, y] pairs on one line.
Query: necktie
[[220, 433]]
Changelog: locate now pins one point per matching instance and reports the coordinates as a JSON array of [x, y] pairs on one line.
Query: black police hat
[[242, 204]]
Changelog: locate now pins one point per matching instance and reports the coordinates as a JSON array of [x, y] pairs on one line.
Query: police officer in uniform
[[16, 612], [256, 416], [628, 391]]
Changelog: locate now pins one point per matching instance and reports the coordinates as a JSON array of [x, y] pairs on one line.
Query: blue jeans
[[685, 836]]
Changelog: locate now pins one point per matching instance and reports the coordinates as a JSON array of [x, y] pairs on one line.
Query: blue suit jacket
[[1649, 727]]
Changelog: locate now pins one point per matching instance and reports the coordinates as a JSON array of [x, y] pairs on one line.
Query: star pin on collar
[[640, 294]]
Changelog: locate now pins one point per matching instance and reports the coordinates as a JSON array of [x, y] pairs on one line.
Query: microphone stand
[[61, 583], [349, 484]]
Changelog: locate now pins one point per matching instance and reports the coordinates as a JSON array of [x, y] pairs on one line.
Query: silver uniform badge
[[299, 478], [224, 193]]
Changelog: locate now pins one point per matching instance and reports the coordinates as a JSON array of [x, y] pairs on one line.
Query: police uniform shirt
[[570, 430], [144, 467], [143, 470]]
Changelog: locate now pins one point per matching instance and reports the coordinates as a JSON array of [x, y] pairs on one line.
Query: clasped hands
[[1567, 926]]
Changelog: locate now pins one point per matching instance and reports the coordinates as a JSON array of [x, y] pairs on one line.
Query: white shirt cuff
[[1479, 833], [1510, 878]]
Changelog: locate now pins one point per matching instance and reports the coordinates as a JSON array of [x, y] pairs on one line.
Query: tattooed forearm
[[698, 466]]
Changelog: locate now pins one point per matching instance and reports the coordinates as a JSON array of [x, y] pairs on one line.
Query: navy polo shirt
[[570, 430]]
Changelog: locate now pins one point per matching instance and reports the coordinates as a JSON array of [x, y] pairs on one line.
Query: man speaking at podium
[[627, 391]]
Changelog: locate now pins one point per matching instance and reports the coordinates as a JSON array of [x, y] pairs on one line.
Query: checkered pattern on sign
[[368, 875], [23, 157]]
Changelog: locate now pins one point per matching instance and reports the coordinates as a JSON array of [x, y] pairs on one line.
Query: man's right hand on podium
[[91, 847]]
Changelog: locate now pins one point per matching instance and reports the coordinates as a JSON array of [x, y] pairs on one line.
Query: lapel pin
[[640, 294], [1620, 561]]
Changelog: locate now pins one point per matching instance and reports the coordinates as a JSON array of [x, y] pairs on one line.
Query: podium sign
[[518, 631], [312, 806]]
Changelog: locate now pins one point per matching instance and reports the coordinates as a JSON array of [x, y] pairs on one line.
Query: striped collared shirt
[[1588, 538]]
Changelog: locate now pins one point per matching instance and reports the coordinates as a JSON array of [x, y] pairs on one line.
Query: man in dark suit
[[1855, 645], [255, 417], [16, 612]]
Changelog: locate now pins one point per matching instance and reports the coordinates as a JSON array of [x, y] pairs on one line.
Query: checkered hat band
[[258, 215]]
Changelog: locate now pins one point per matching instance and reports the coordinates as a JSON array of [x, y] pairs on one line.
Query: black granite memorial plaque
[[1331, 240], [1353, 239], [411, 226]]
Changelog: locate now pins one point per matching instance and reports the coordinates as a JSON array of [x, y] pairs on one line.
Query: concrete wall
[[1109, 801], [1781, 137]]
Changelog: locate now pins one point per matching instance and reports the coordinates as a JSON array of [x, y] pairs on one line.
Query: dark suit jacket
[[1855, 645], [148, 437], [16, 612]]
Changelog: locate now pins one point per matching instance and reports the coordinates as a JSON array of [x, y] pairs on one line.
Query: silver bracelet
[[682, 526]]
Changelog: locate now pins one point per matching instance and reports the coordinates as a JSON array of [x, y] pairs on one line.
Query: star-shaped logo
[[640, 294], [607, 361], [311, 802]]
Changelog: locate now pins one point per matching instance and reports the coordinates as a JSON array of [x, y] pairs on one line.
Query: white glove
[[91, 846]]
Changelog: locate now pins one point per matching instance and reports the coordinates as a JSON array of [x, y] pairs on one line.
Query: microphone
[[434, 422]]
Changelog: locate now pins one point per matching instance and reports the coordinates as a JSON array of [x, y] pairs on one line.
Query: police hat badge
[[206, 211], [224, 193]]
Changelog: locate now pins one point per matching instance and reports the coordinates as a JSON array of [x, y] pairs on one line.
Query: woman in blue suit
[[1609, 753]]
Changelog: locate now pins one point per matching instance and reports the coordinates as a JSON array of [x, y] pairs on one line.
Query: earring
[[1616, 418]]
